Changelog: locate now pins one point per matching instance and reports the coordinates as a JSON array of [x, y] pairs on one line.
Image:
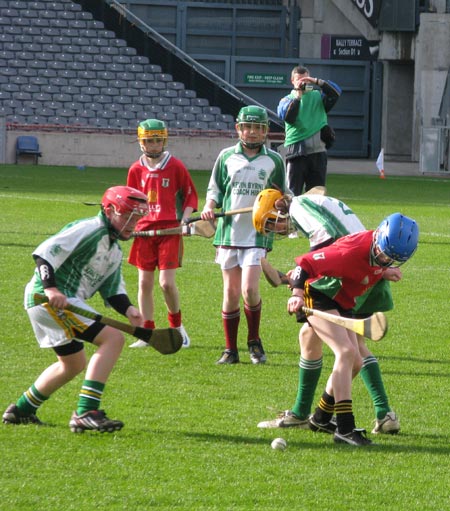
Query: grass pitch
[[190, 440]]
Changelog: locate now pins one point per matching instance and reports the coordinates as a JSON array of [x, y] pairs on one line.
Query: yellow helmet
[[152, 129], [264, 210]]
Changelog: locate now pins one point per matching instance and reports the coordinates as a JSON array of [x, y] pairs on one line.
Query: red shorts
[[163, 252]]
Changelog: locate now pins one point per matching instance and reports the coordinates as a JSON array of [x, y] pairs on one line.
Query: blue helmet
[[396, 237]]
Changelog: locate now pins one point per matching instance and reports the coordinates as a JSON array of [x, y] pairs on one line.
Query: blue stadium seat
[[181, 101], [70, 89], [198, 125], [28, 144], [177, 124], [219, 126], [169, 93], [27, 72], [6, 110], [187, 93], [161, 101], [206, 117], [187, 117], [200, 102], [193, 109]]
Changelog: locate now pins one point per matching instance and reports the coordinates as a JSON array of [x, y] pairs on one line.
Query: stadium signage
[[265, 79], [348, 48]]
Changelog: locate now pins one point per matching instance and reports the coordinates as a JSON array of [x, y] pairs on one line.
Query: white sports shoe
[[186, 340], [285, 420], [139, 344], [389, 424]]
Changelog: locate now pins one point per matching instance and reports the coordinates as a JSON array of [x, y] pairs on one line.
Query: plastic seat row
[[87, 68]]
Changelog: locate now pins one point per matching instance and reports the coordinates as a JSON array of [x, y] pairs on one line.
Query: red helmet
[[125, 200]]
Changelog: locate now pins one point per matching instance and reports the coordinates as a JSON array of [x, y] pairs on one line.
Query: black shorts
[[317, 300], [75, 346]]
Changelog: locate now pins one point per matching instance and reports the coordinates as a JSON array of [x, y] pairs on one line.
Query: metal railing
[[185, 60]]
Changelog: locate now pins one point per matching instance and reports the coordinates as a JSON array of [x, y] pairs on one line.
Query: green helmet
[[151, 129], [255, 116], [253, 113]]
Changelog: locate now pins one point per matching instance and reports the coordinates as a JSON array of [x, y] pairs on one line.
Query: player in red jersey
[[330, 279], [172, 198]]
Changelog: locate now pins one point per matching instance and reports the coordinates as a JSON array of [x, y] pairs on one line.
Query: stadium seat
[[27, 144], [200, 102], [198, 125], [181, 101], [178, 124]]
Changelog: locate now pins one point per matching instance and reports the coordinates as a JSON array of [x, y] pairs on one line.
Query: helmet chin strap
[[153, 155], [252, 145]]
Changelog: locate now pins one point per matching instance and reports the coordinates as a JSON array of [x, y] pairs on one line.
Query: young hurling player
[[239, 174], [71, 266], [322, 220], [172, 198], [355, 263]]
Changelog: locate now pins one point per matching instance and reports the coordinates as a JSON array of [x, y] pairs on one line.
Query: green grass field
[[190, 440]]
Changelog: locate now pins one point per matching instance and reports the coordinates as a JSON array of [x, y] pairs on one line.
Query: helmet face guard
[[266, 217], [122, 206], [395, 240], [255, 119], [155, 130]]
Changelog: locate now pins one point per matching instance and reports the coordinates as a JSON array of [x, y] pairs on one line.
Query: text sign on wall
[[265, 79], [348, 48], [370, 9]]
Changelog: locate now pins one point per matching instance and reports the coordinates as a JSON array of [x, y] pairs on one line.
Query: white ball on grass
[[279, 444]]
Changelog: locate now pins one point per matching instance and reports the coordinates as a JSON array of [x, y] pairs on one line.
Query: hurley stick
[[164, 340]]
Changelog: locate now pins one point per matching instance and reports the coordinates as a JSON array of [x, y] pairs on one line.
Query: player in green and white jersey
[[323, 220], [71, 266], [240, 173]]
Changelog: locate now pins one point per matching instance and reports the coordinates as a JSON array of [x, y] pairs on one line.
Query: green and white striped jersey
[[235, 182], [321, 218], [85, 260]]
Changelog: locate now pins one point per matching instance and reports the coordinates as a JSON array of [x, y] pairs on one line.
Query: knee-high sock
[[230, 326], [371, 375], [308, 378], [253, 315]]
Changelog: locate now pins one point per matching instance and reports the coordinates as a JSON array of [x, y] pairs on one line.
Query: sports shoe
[[257, 355], [139, 344], [285, 419], [389, 424], [13, 415], [93, 420], [328, 427], [356, 437], [229, 357], [186, 340]]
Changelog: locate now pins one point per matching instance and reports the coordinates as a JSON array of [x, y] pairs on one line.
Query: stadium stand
[[59, 66]]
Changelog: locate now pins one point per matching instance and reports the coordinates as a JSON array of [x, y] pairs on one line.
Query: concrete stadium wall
[[114, 150]]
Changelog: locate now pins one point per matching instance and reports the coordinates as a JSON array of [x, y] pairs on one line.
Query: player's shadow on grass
[[312, 444]]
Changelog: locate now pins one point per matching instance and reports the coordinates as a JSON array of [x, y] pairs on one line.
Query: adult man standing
[[308, 136]]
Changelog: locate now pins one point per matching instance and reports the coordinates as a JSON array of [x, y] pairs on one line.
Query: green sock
[[371, 375], [30, 401], [90, 396], [308, 378]]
